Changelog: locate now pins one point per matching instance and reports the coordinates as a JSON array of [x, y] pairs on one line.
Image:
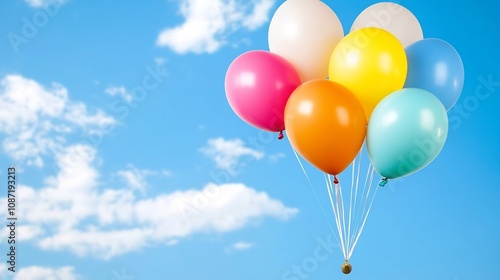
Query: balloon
[[325, 123], [258, 84], [370, 62], [305, 33], [406, 132], [436, 66], [392, 17]]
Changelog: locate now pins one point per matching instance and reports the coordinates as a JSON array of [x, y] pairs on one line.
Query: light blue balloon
[[434, 65], [406, 131]]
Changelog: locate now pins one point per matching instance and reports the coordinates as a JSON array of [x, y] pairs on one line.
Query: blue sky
[[132, 165]]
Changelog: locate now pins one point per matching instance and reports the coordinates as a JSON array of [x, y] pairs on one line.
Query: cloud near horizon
[[75, 211], [119, 222]]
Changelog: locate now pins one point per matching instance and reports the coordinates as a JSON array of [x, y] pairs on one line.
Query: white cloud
[[102, 244], [166, 173], [39, 273], [242, 245], [172, 242], [119, 222], [44, 273], [73, 210], [120, 91], [44, 3], [227, 153], [36, 119], [259, 15], [64, 201], [276, 157], [77, 114], [207, 24], [238, 246], [136, 178], [29, 232], [160, 61]]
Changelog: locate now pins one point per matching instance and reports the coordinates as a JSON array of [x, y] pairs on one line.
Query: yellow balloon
[[371, 63]]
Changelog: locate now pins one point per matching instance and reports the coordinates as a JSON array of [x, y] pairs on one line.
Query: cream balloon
[[305, 32], [392, 17]]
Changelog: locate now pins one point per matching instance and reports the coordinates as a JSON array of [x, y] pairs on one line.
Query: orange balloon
[[326, 124]]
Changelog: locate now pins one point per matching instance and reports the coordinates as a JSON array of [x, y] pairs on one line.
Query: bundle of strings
[[351, 206]]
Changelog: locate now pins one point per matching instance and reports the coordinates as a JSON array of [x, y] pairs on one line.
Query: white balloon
[[392, 17], [305, 32]]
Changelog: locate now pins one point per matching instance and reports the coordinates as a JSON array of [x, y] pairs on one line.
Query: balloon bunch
[[382, 83]]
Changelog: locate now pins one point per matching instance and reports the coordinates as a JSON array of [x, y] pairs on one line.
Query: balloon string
[[355, 189], [362, 206], [367, 212], [352, 199], [362, 202], [336, 214], [349, 225], [316, 196], [340, 200]]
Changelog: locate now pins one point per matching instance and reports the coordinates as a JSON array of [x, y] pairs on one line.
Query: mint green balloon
[[406, 132]]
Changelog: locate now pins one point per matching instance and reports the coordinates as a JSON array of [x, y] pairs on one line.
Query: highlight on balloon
[[370, 102]]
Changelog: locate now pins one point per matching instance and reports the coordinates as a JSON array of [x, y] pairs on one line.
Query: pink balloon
[[258, 84]]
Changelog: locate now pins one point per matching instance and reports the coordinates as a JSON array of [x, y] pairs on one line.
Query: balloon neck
[[281, 136], [383, 182], [335, 180]]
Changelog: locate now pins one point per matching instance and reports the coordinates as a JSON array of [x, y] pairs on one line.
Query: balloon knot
[[335, 179], [346, 267], [383, 182], [280, 136]]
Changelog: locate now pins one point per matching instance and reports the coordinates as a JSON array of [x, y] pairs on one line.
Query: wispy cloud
[[44, 3], [40, 273], [166, 173], [36, 119], [74, 210], [276, 157], [238, 246], [120, 222], [136, 178], [242, 245], [121, 92], [160, 61], [227, 153], [208, 23]]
